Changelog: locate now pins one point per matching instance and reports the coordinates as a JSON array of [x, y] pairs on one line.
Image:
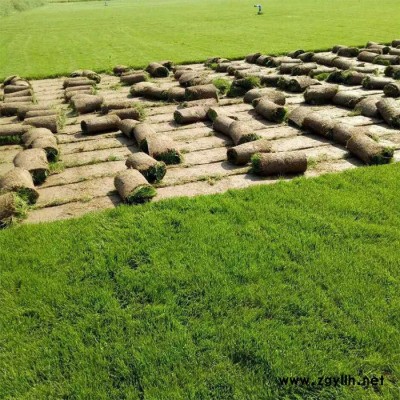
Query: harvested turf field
[[210, 297], [82, 180], [90, 35]]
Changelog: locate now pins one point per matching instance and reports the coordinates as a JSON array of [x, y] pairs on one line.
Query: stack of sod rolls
[[17, 91]]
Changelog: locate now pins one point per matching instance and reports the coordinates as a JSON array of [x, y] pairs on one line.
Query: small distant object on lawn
[[106, 2], [259, 8]]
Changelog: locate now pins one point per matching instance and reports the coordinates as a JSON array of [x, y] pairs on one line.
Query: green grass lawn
[[60, 37], [209, 298]]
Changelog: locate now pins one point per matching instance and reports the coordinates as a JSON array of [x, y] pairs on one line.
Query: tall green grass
[[209, 298], [8, 7], [91, 36]]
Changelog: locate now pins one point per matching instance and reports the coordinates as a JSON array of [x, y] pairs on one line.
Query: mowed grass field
[[209, 298], [60, 37]]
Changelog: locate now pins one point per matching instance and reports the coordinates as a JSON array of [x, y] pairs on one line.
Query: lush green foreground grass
[[61, 37], [211, 297]]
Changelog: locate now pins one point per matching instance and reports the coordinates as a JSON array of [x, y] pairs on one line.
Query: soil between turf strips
[[91, 162]]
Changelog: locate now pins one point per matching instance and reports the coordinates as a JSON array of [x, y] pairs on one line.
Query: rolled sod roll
[[240, 132], [306, 57], [335, 77], [20, 181], [118, 70], [395, 52], [70, 94], [392, 89], [8, 208], [140, 89], [343, 63], [134, 77], [223, 66], [367, 107], [155, 92], [81, 81], [41, 113], [385, 59], [375, 82], [322, 94], [241, 155], [395, 42], [295, 53], [301, 83], [49, 122], [142, 132], [193, 78], [368, 150], [372, 50], [324, 59], [21, 93], [366, 69], [13, 129], [321, 70], [150, 168], [303, 69], [319, 124], [106, 123], [270, 79], [393, 71], [157, 70], [277, 61], [35, 161], [87, 103], [25, 99], [271, 94], [133, 187], [342, 132], [23, 110], [179, 72], [33, 134], [15, 89], [346, 99], [118, 105], [389, 108], [353, 78], [167, 64], [163, 148], [87, 73], [262, 60], [126, 126], [201, 92], [337, 47], [269, 110], [190, 115], [367, 56], [10, 109], [176, 94], [128, 113], [385, 49], [296, 116], [252, 58], [348, 52], [49, 145], [286, 68], [266, 164], [222, 124]]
